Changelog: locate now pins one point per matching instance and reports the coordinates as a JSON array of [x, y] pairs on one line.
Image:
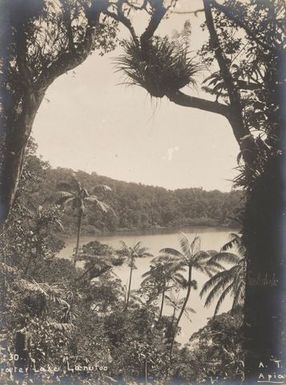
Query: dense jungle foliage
[[136, 206], [74, 322], [69, 314]]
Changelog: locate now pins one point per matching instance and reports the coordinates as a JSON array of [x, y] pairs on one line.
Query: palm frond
[[191, 310], [101, 187], [235, 241], [238, 294], [70, 202], [225, 257], [213, 269], [196, 245], [201, 256], [222, 298], [63, 196], [137, 245], [217, 289], [181, 280], [49, 291], [174, 301], [214, 266], [212, 282], [234, 277], [185, 245], [143, 252], [199, 267], [124, 245], [187, 312], [172, 252], [139, 251], [103, 206]]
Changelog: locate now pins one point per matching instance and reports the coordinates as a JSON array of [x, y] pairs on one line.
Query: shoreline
[[151, 231]]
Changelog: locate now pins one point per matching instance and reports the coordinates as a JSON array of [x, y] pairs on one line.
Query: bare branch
[[239, 128], [188, 12], [158, 13], [69, 60], [185, 100], [120, 17]]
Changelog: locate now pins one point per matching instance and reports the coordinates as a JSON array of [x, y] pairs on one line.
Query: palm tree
[[130, 254], [164, 274], [228, 281], [76, 196], [192, 258], [176, 304]]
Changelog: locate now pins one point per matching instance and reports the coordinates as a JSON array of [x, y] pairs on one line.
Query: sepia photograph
[[142, 192]]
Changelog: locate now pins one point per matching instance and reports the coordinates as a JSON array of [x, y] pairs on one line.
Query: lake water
[[211, 239]]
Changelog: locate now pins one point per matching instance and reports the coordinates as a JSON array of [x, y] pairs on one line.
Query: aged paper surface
[[142, 192]]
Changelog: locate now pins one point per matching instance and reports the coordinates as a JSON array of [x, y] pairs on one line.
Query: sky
[[90, 121]]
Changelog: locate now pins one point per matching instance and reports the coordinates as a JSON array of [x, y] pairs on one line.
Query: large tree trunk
[[22, 88], [264, 237], [20, 101], [16, 130], [11, 167], [265, 305]]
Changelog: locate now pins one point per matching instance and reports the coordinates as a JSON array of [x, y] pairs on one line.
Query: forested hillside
[[134, 206]]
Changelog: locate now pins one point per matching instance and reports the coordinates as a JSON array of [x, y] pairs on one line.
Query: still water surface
[[211, 238]]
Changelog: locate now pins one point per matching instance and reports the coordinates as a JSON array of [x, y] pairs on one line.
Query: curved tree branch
[[236, 116], [120, 17], [185, 100], [67, 61], [158, 13], [188, 12], [18, 124]]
